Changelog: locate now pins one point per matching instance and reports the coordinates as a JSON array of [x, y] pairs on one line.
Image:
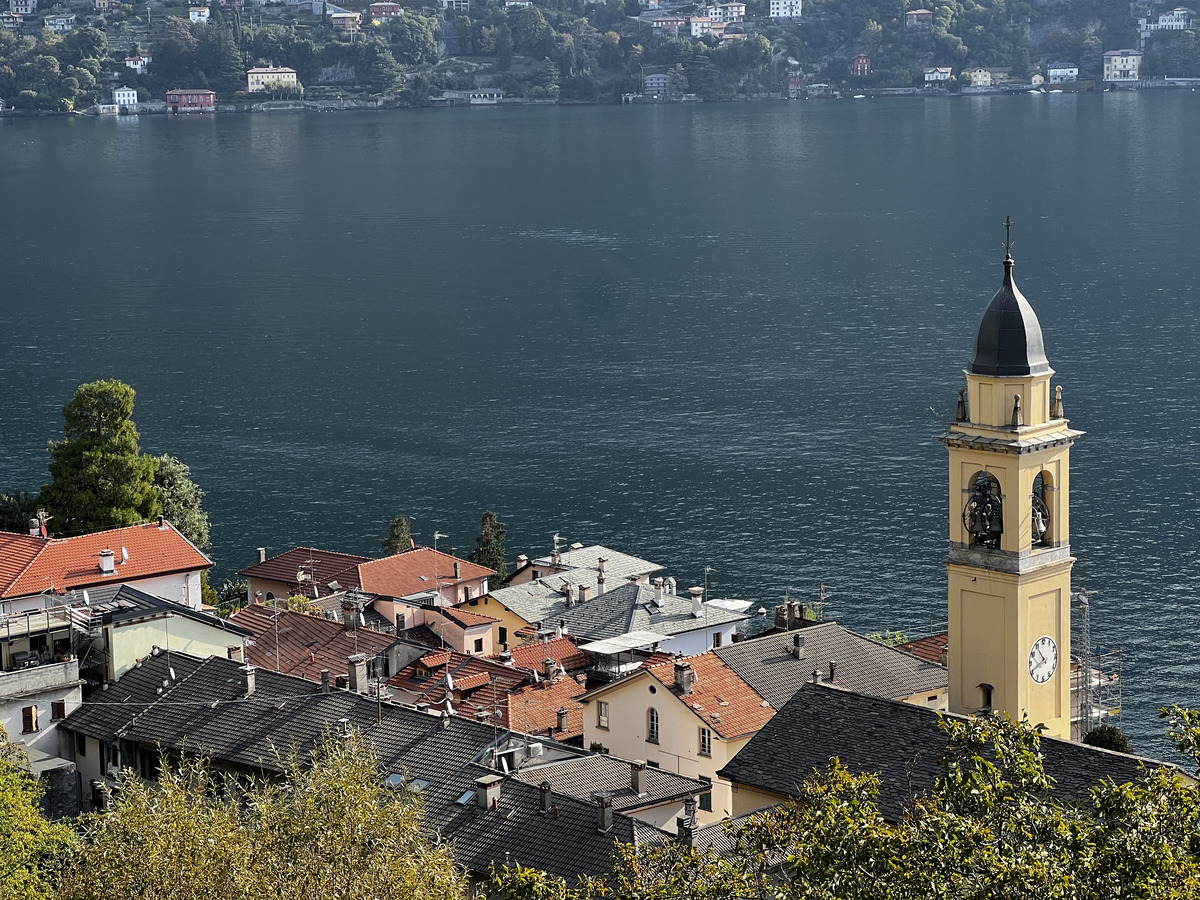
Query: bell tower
[[1009, 563]]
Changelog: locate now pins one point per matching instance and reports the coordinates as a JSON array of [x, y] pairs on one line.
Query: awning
[[633, 640]]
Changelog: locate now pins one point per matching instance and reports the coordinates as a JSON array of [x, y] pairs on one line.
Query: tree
[[398, 538], [1110, 737], [100, 478], [180, 499], [16, 509], [29, 845], [328, 828], [489, 546]]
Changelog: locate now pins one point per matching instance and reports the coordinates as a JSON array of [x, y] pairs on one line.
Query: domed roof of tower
[[1009, 340]]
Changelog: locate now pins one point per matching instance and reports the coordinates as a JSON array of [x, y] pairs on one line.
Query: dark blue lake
[[716, 335]]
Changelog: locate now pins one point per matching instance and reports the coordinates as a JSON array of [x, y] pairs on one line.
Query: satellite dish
[[124, 555], [362, 620], [762, 610], [171, 671], [449, 686], [87, 600]]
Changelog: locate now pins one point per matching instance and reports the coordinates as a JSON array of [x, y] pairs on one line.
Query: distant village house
[[918, 20], [786, 9], [271, 77]]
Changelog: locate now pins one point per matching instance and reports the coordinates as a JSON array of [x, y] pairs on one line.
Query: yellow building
[[1009, 563], [271, 77]]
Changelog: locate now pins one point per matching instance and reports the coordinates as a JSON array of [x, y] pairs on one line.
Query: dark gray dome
[[1009, 340]]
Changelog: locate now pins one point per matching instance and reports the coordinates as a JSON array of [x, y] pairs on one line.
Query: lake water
[[718, 335]]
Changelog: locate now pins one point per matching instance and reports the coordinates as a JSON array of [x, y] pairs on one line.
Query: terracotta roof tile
[[929, 648], [471, 693], [326, 566], [30, 565], [307, 644], [719, 696], [415, 571], [465, 618], [562, 650], [534, 708]]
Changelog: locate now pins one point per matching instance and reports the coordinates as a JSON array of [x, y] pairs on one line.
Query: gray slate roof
[[621, 566], [588, 775], [899, 741], [203, 710], [766, 664], [631, 608]]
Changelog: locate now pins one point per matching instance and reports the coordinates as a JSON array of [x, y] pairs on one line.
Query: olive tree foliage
[[99, 476], [329, 829], [29, 845], [991, 827], [180, 498]]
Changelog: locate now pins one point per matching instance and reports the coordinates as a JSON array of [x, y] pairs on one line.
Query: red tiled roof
[[719, 696], [415, 571], [30, 565], [307, 644], [472, 677], [464, 618], [534, 708], [562, 650], [325, 566], [928, 648]]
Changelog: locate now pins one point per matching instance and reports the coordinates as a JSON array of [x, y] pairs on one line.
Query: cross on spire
[[1008, 244]]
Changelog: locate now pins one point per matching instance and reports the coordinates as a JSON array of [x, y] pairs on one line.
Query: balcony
[[36, 679]]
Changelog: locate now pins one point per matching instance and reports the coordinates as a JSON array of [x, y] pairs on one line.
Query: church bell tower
[[1009, 564]]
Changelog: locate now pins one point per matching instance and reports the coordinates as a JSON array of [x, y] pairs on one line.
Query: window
[[652, 726], [705, 742], [601, 714], [706, 797], [503, 634], [80, 745], [716, 640], [652, 764], [466, 593], [29, 719], [478, 645], [58, 709]]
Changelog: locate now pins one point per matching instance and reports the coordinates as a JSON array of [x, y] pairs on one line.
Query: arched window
[[652, 725], [983, 516], [1040, 511]]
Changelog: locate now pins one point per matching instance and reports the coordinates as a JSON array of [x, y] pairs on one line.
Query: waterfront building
[[1061, 72], [1122, 66], [701, 25], [1009, 562], [266, 77], [937, 75], [786, 9], [9, 19], [860, 66], [386, 10], [978, 76], [125, 98], [191, 100]]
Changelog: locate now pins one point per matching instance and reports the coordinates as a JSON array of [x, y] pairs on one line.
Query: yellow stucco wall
[[748, 799], [131, 641]]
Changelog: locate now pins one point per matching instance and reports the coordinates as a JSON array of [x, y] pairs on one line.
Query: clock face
[[1043, 659]]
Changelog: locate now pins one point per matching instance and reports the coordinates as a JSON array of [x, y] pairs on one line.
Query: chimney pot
[[325, 685], [548, 669], [602, 564], [357, 672], [349, 615], [247, 673], [262, 554], [604, 816], [487, 791], [697, 601], [832, 670], [561, 722], [683, 676], [585, 593], [35, 528], [544, 797], [638, 776]]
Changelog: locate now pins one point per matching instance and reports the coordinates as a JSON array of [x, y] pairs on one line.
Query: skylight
[[466, 797]]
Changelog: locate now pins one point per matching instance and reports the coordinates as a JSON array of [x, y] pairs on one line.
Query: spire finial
[[1008, 244]]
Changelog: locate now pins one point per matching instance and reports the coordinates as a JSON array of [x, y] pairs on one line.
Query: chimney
[[247, 673], [633, 579], [262, 554], [816, 676], [585, 593], [558, 629], [570, 592], [487, 791], [108, 564], [638, 780], [325, 681], [658, 592], [697, 597], [670, 585], [458, 571], [237, 653], [357, 671], [562, 627], [600, 583], [685, 831], [522, 560], [797, 648], [833, 671], [781, 617], [35, 528], [162, 521], [602, 564], [422, 706], [544, 797], [349, 615], [561, 720], [603, 812], [548, 669], [683, 676]]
